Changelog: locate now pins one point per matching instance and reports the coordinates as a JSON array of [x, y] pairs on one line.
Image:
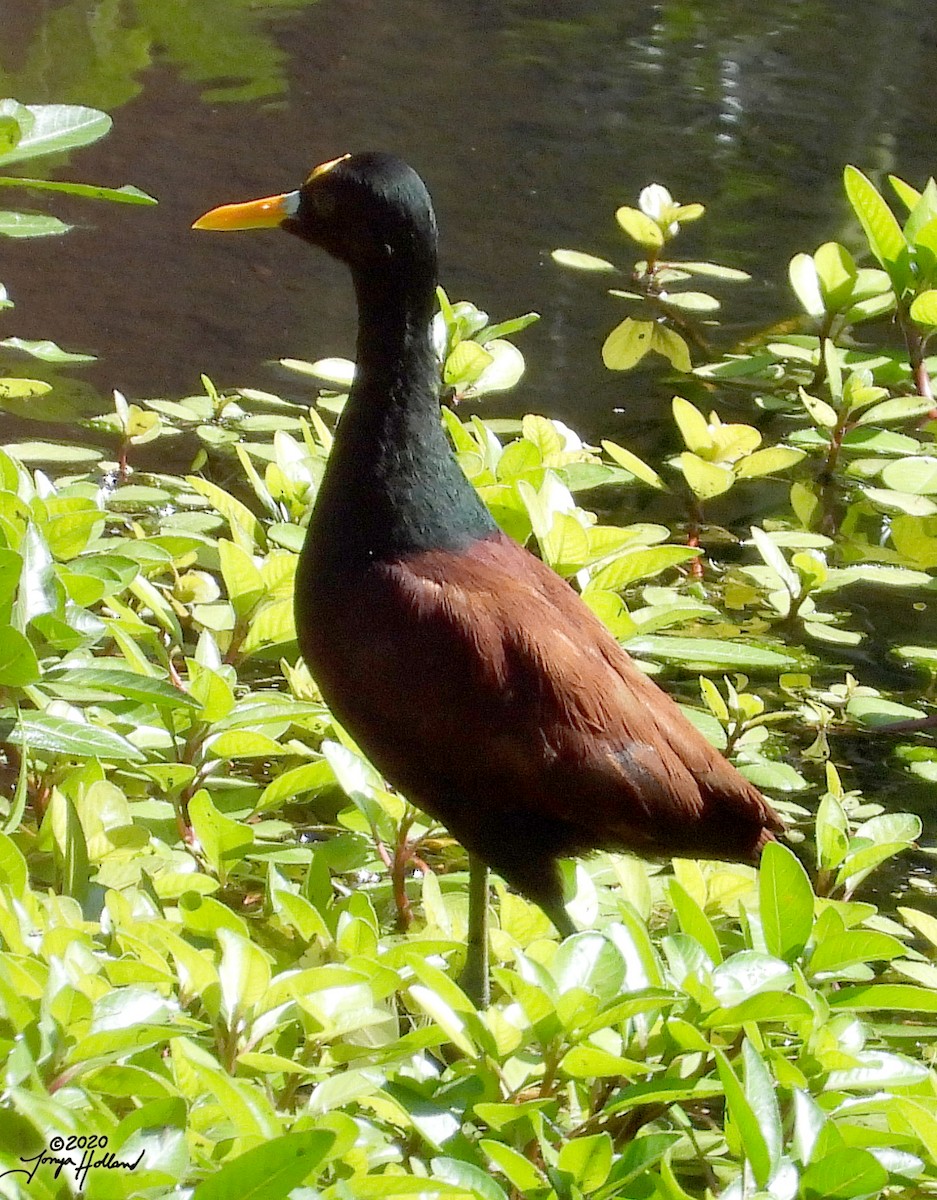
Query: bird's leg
[[474, 978], [563, 923]]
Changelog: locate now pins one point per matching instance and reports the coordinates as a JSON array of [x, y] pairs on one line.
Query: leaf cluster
[[228, 945]]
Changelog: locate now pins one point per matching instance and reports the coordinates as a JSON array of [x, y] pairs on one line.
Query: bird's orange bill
[[265, 213]]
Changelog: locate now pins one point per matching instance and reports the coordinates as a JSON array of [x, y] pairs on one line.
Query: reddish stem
[[695, 568], [915, 343], [398, 873]]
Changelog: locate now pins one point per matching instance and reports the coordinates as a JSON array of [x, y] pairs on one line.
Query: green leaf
[[705, 479], [71, 847], [822, 414], [45, 350], [632, 565], [748, 973], [58, 453], [693, 301], [837, 274], [924, 308], [588, 1160], [668, 343], [465, 363], [639, 227], [452, 1022], [832, 833], [715, 271], [581, 262], [19, 666], [465, 1175], [565, 546], [915, 475], [269, 1171], [29, 225], [886, 240], [244, 976], [512, 325], [130, 684], [245, 527], [693, 426], [843, 1175], [694, 653], [881, 574], [761, 1093], [22, 389], [11, 130], [694, 922], [754, 1144], [840, 951], [774, 776], [55, 128], [46, 734], [206, 916], [337, 371], [128, 194], [243, 743], [630, 462], [627, 344], [785, 902], [243, 580], [770, 461], [222, 840], [774, 559], [901, 408], [310, 777], [13, 869], [908, 195], [502, 372], [589, 1062], [516, 1167], [768, 1007], [888, 501], [901, 997], [802, 272]]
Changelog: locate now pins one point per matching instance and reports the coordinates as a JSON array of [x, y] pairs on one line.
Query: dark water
[[531, 122]]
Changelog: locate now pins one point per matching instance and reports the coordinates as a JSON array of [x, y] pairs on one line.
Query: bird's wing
[[483, 673]]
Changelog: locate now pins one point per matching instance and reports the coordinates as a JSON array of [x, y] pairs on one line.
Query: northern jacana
[[474, 678]]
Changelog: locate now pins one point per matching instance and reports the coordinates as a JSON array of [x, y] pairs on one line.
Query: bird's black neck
[[392, 486]]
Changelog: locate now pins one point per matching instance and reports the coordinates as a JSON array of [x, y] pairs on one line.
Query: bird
[[472, 676]]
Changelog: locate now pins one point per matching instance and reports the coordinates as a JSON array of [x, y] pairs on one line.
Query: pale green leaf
[[693, 426], [802, 272], [705, 479], [581, 262], [630, 462], [886, 240], [627, 344], [770, 461], [640, 228], [924, 308]]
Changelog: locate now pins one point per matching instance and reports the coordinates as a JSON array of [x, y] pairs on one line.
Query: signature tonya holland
[[82, 1165]]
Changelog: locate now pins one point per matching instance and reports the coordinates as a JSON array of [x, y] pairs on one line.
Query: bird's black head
[[369, 210]]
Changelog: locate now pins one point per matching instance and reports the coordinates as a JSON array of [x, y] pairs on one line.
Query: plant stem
[[916, 344], [828, 522], [398, 873], [695, 521]]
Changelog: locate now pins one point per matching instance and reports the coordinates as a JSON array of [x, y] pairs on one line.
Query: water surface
[[531, 122]]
